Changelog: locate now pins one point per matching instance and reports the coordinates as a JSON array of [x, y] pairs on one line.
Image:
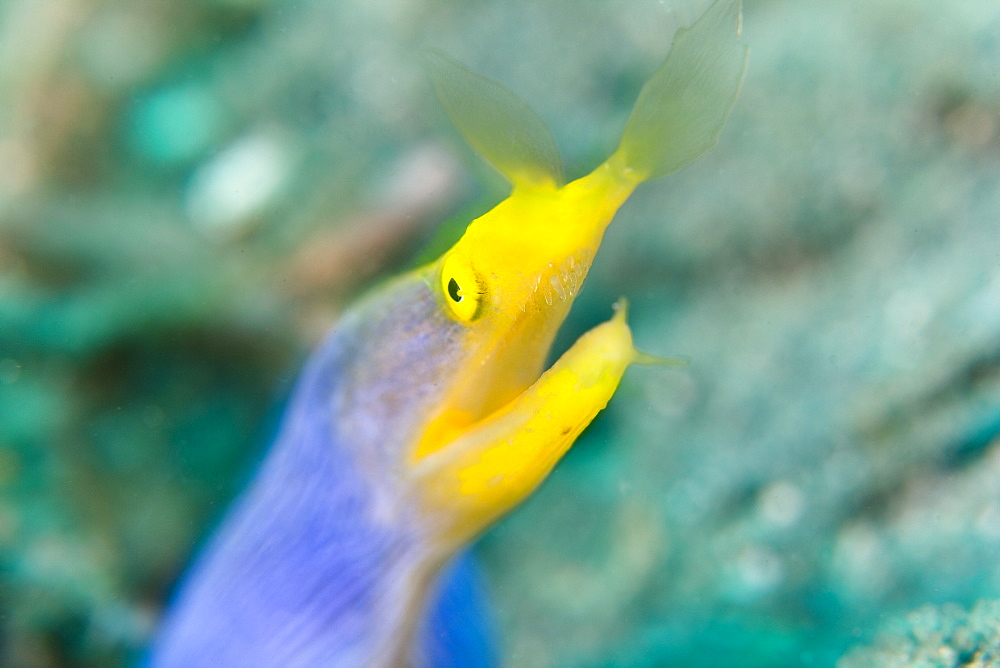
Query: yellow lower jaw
[[497, 462]]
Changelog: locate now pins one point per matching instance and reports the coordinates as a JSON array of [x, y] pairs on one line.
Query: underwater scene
[[800, 468]]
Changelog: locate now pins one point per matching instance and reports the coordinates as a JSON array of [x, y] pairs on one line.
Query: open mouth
[[482, 468]]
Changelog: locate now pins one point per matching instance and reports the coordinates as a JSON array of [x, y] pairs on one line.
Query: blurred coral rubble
[[191, 192]]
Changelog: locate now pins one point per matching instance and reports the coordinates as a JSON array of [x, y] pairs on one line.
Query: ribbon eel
[[425, 416]]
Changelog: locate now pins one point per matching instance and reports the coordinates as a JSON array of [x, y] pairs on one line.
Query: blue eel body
[[316, 563]]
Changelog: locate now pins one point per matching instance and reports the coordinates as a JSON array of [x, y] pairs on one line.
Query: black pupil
[[454, 291]]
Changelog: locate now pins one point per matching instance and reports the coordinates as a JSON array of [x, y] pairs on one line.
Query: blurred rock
[[190, 193]]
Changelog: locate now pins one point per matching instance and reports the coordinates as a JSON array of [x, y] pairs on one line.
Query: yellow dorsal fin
[[496, 123], [684, 106]]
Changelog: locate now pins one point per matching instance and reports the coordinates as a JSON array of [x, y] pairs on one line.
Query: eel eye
[[454, 291], [461, 288]]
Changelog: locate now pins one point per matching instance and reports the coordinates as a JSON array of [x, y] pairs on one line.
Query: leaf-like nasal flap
[[495, 122], [684, 106]]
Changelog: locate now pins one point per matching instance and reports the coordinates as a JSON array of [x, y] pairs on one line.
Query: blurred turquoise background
[[190, 192]]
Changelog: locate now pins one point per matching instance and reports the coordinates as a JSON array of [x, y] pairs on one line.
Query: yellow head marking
[[501, 424]]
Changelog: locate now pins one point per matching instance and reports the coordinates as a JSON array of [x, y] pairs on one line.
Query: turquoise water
[[191, 193]]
